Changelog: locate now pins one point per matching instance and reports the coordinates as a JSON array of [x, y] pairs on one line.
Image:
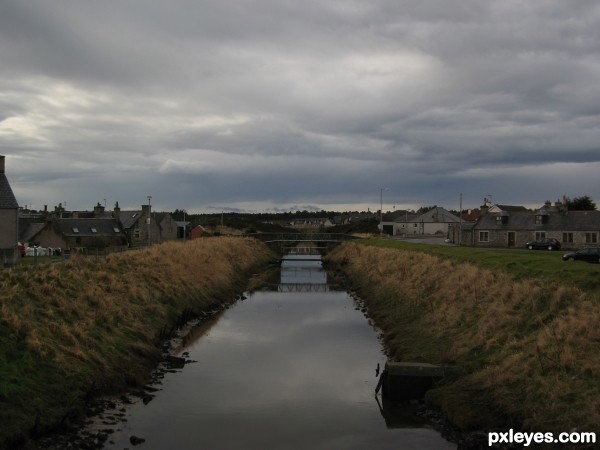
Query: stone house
[[89, 233], [9, 219], [436, 221], [169, 228], [141, 227], [514, 228]]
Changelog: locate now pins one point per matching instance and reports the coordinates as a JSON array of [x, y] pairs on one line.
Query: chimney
[[1, 163], [98, 210], [117, 211]]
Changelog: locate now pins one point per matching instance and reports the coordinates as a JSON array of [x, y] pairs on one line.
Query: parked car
[[588, 254], [544, 244]]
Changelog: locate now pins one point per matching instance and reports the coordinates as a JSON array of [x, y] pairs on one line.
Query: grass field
[[520, 264]]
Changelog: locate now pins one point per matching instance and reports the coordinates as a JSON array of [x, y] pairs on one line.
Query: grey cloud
[[287, 103]]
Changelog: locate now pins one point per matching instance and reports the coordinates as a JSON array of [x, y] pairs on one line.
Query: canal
[[292, 366]]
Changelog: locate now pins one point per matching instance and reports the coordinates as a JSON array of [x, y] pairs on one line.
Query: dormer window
[[541, 217]]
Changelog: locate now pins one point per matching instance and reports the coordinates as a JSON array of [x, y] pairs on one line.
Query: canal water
[[292, 366]]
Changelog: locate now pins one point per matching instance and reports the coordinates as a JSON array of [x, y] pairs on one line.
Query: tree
[[424, 209], [584, 203]]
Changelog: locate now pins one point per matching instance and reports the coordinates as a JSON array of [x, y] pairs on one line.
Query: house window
[[591, 238], [540, 235], [484, 236], [567, 238], [94, 230], [116, 230], [136, 233], [75, 230], [538, 220]]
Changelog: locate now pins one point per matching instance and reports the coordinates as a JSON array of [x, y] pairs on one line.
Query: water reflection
[[302, 273], [283, 369]]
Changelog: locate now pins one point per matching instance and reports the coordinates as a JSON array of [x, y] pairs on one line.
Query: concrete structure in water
[[408, 380]]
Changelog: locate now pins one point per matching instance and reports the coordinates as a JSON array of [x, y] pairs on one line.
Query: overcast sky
[[267, 105]]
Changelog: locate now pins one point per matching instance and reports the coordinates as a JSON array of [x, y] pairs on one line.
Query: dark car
[[588, 254], [544, 244]]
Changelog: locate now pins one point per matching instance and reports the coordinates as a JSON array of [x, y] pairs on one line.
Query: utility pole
[[460, 221], [381, 211], [148, 219]]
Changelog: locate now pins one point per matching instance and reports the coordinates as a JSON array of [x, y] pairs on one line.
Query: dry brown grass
[[99, 319], [529, 351]]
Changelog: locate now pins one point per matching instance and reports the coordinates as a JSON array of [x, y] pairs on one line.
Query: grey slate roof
[[436, 215], [28, 231], [7, 198], [129, 218], [85, 227], [182, 224], [525, 220], [514, 208]]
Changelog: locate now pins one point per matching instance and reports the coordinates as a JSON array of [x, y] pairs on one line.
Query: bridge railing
[[302, 237]]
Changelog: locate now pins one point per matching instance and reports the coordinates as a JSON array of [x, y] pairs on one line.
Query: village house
[[197, 232], [140, 227], [311, 223], [96, 230], [503, 226], [9, 219], [84, 231], [435, 222], [344, 219]]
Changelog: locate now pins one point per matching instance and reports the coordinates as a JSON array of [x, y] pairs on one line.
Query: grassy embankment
[[521, 339], [92, 325]]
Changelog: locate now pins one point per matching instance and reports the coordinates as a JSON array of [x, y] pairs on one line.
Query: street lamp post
[[381, 211]]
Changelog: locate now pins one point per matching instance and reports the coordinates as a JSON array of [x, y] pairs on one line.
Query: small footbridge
[[302, 246], [302, 237]]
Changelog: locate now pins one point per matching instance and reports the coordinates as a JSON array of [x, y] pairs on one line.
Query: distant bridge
[[302, 237], [303, 287]]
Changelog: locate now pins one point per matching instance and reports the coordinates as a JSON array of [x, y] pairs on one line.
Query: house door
[[511, 238]]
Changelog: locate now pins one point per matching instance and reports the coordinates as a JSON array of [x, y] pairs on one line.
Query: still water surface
[[290, 367]]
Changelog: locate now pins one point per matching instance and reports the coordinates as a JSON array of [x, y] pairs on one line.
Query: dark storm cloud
[[262, 104]]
